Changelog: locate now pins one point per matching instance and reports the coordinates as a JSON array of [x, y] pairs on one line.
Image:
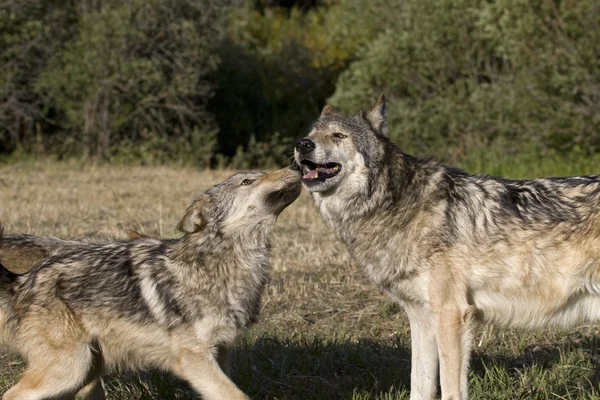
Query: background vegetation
[[234, 82]]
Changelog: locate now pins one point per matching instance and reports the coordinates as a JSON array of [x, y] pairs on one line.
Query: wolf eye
[[339, 135], [246, 182]]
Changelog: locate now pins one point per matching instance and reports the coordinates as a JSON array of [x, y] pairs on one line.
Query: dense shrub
[[471, 74], [31, 31], [278, 67], [235, 82], [130, 74]]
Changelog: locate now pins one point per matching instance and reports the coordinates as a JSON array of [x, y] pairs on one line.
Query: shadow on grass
[[311, 369], [269, 368], [278, 369], [566, 370], [543, 356], [317, 369]]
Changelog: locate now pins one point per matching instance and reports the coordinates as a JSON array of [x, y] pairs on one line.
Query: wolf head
[[342, 149], [244, 200]]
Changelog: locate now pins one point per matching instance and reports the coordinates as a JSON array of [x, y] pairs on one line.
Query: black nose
[[305, 146]]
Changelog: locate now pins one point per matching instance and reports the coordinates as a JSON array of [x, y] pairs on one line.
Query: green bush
[[473, 74], [31, 31], [271, 153], [278, 67], [235, 82], [135, 68]]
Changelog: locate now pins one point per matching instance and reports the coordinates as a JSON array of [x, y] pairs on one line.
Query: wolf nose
[[305, 146]]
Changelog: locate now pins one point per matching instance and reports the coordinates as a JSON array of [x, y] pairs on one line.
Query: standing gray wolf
[[454, 248], [174, 304]]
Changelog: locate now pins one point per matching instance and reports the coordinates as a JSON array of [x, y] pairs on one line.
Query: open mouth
[[314, 171]]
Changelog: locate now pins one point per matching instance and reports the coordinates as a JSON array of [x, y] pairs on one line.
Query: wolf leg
[[424, 358], [55, 375], [94, 388], [4, 333], [202, 371], [455, 335]]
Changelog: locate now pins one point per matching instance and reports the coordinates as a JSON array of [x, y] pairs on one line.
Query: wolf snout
[[305, 146]]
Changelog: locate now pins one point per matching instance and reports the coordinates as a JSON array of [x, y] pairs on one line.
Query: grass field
[[324, 331]]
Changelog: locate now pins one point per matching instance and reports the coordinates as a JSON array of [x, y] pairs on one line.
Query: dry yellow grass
[[313, 277], [324, 331]]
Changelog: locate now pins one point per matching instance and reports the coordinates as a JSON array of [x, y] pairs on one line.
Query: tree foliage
[[236, 81], [31, 31], [466, 73]]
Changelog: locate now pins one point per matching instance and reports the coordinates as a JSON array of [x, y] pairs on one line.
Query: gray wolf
[[453, 248], [172, 304]]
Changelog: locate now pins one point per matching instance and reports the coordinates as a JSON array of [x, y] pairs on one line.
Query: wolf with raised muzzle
[[453, 248], [171, 304]]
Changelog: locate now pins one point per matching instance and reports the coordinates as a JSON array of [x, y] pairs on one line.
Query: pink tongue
[[310, 174], [325, 172]]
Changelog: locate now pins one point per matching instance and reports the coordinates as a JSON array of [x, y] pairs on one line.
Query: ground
[[324, 331]]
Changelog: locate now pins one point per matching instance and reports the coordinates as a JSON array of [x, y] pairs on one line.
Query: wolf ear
[[193, 220], [328, 110], [377, 117]]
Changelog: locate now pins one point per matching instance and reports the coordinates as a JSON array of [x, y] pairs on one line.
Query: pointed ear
[[193, 220], [377, 117], [361, 114], [328, 110]]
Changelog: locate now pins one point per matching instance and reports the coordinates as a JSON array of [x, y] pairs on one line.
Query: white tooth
[[316, 175]]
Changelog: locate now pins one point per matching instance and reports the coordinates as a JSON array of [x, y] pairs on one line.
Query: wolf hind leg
[[94, 386], [202, 371], [94, 390], [53, 375]]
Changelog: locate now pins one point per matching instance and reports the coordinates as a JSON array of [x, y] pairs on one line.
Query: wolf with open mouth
[[453, 248]]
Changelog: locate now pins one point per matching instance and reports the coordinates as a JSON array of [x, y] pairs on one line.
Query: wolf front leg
[[201, 370], [455, 337], [424, 357]]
